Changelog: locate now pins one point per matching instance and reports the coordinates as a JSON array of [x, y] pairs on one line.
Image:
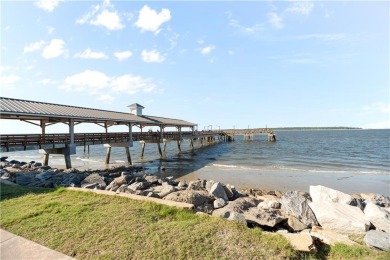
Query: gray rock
[[93, 179], [294, 204], [93, 186], [219, 203], [340, 217], [137, 186], [229, 191], [113, 186], [295, 224], [71, 179], [378, 239], [197, 198], [28, 179], [301, 242], [263, 217], [378, 216], [167, 189], [218, 191], [152, 179], [122, 188], [242, 204], [270, 204], [196, 185]]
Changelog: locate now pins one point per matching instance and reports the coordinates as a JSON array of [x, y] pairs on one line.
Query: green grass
[[90, 226]]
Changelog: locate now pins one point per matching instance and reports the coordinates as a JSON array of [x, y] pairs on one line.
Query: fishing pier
[[43, 115]]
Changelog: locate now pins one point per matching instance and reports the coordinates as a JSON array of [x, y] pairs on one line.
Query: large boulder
[[320, 193], [197, 198], [229, 215], [330, 237], [301, 242], [378, 216], [196, 185], [295, 224], [219, 203], [218, 191], [295, 204], [94, 178], [339, 217], [166, 189], [263, 217], [28, 179], [378, 239]]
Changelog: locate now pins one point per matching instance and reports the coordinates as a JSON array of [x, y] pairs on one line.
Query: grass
[[90, 226]]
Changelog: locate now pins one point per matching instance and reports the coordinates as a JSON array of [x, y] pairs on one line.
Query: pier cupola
[[136, 109]]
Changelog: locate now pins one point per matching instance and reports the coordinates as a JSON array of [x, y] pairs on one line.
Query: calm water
[[312, 154]]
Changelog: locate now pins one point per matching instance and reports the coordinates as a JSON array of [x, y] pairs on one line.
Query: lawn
[[91, 226]]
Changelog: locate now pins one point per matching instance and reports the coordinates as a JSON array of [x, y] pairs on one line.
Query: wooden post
[[45, 160], [128, 155], [143, 149], [108, 155], [165, 145], [159, 149], [178, 145], [68, 162], [191, 144]]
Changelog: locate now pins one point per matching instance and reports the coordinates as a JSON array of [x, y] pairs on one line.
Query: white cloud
[[250, 30], [50, 30], [47, 5], [231, 53], [34, 46], [150, 20], [103, 15], [301, 7], [207, 50], [47, 81], [89, 54], [123, 55], [152, 56], [8, 81], [108, 19], [200, 41], [105, 87], [55, 49], [275, 20]]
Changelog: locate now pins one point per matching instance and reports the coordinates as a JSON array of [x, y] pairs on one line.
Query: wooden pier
[[45, 114]]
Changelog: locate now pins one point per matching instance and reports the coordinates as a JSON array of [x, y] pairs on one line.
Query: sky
[[219, 64]]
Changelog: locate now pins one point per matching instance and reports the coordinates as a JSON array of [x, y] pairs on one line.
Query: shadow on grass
[[10, 191]]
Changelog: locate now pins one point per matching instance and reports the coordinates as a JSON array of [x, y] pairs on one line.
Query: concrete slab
[[137, 197], [14, 247]]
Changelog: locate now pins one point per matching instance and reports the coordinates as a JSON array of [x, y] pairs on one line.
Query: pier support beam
[[159, 149], [128, 155], [66, 151], [143, 148], [124, 145], [178, 145], [108, 155]]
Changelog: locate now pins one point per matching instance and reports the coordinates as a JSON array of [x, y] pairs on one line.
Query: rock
[[320, 193], [295, 224], [377, 199], [122, 188], [219, 203], [295, 204], [378, 216], [209, 184], [182, 184], [113, 186], [301, 242], [378, 239], [152, 179], [124, 179], [71, 179], [137, 186], [3, 159], [196, 198], [230, 215], [28, 179], [263, 217], [93, 186], [93, 179], [269, 204], [45, 167], [196, 185], [234, 216], [229, 190], [167, 189], [218, 191], [5, 181], [330, 237], [339, 217]]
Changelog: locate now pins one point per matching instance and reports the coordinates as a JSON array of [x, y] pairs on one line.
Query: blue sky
[[225, 64]]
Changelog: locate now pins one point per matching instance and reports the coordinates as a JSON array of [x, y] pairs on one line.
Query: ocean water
[[350, 160]]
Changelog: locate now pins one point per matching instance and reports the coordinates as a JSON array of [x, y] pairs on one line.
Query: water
[[349, 160]]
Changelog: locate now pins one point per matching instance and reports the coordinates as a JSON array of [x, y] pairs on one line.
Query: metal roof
[[11, 108]]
